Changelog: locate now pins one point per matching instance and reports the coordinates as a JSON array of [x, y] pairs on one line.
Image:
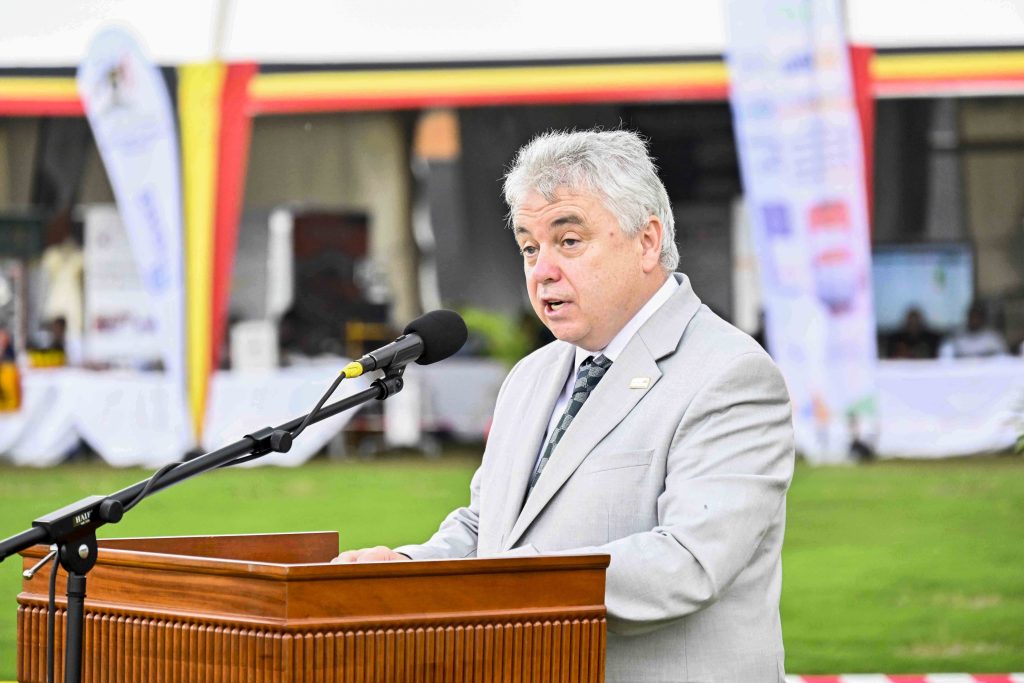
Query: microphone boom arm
[[258, 442]]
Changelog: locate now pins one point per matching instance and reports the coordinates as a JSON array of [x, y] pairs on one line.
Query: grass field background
[[892, 567]]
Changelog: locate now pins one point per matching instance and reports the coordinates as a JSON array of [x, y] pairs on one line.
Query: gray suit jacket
[[683, 483]]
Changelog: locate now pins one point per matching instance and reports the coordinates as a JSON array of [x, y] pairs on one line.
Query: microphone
[[429, 338]]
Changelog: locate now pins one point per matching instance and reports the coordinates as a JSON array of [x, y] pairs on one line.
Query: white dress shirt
[[611, 352]]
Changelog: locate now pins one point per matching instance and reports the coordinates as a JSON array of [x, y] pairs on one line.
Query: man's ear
[[650, 244]]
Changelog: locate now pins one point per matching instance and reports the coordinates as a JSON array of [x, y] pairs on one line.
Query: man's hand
[[380, 553]]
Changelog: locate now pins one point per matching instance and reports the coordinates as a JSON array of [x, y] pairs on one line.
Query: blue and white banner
[[131, 115], [800, 151]]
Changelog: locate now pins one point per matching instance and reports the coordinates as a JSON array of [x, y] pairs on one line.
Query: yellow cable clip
[[353, 369]]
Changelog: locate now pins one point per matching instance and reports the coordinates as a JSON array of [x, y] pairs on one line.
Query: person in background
[[62, 266], [57, 330], [914, 339], [978, 340], [10, 377], [49, 350]]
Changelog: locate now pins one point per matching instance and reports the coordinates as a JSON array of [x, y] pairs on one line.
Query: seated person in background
[[979, 340], [914, 339], [10, 379], [57, 334]]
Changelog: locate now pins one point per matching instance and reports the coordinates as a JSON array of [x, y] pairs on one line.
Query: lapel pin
[[639, 382]]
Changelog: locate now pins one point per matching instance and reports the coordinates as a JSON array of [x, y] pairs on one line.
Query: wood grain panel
[[159, 650]]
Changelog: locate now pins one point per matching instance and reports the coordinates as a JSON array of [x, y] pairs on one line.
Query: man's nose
[[545, 268]]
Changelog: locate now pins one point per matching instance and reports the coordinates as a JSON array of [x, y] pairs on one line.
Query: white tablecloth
[[926, 409], [934, 409], [129, 419]]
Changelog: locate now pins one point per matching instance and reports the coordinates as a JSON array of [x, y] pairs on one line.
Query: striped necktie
[[590, 373]]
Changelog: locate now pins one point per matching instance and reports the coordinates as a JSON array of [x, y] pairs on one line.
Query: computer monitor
[[936, 278]]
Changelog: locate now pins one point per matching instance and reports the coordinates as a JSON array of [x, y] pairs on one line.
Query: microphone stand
[[73, 528]]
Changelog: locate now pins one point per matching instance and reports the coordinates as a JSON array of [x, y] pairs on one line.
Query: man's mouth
[[552, 305]]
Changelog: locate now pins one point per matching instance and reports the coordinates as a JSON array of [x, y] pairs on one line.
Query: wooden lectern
[[269, 608]]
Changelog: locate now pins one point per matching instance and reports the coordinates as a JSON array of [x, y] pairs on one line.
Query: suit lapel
[[606, 407], [609, 403], [535, 407]]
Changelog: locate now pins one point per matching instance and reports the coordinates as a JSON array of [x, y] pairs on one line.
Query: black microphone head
[[443, 333]]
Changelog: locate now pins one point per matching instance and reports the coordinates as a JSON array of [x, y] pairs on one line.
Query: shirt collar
[[619, 341]]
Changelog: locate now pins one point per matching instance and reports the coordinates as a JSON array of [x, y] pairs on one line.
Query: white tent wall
[[935, 23], [53, 33], [351, 161], [56, 32], [5, 175], [19, 138], [469, 30], [95, 187], [992, 157]]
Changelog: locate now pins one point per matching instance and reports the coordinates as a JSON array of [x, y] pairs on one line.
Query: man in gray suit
[[651, 430]]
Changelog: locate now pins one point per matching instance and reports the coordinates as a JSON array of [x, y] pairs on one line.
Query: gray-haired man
[[651, 430]]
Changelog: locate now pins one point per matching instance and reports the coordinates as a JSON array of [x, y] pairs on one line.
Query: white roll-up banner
[[132, 118], [799, 141]]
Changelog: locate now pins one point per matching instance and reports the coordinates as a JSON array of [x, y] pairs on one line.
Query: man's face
[[585, 278]]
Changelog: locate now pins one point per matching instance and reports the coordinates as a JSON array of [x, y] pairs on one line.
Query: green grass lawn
[[906, 567], [893, 567]]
